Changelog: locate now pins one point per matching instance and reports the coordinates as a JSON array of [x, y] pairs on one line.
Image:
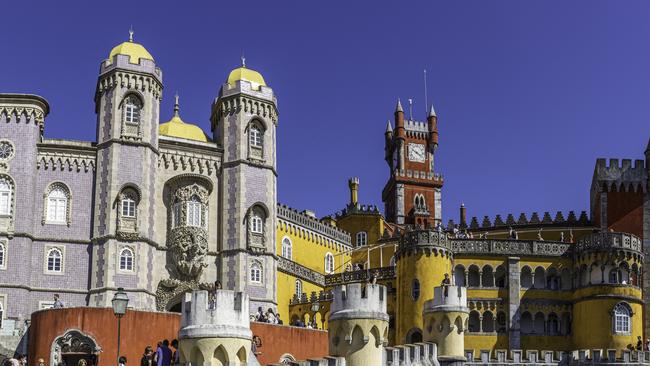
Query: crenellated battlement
[[620, 175], [456, 298], [24, 108], [522, 220], [307, 221], [358, 209], [358, 301], [224, 314], [545, 357], [435, 178]]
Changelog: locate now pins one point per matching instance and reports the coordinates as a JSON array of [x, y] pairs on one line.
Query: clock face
[[416, 153]]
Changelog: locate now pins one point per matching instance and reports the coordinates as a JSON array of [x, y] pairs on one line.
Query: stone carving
[[189, 246], [171, 289], [610, 241], [295, 269]]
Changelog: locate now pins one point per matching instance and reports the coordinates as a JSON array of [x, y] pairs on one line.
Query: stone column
[[514, 317]]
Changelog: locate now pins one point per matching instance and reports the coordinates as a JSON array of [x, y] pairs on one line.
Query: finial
[[432, 112], [399, 106], [243, 60], [389, 127], [176, 106], [410, 109], [131, 34]]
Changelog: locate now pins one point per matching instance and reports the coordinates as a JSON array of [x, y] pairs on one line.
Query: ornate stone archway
[[74, 342], [170, 291]]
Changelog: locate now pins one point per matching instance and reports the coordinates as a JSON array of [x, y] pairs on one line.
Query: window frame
[[329, 257], [6, 209], [256, 223], [126, 265], [48, 252], [415, 289], [132, 109], [131, 207], [287, 250], [256, 136], [297, 285], [255, 273], [194, 212], [57, 206], [361, 235], [3, 254], [622, 316]]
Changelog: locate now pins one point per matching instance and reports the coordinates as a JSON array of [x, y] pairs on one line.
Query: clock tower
[[412, 194]]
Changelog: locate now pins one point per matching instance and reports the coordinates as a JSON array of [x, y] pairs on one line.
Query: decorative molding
[[247, 104], [302, 220], [68, 210], [65, 160], [383, 273], [129, 80], [188, 161], [14, 113]]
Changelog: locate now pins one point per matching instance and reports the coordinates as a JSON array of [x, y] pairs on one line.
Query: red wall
[[142, 328], [625, 212]]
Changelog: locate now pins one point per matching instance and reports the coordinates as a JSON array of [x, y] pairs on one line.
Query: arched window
[[553, 327], [487, 276], [329, 263], [362, 238], [57, 204], [540, 278], [552, 279], [256, 139], [3, 256], [126, 259], [132, 108], [500, 277], [526, 323], [5, 196], [621, 319], [526, 277], [194, 213], [415, 289], [256, 272], [488, 322], [54, 260], [459, 275], [473, 278], [613, 276], [298, 288], [474, 322], [286, 248], [538, 324]]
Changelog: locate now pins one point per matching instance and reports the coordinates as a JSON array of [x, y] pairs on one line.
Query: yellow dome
[[134, 50], [242, 73], [177, 128]]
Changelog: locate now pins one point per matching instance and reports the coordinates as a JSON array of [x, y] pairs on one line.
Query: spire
[[432, 112], [399, 106], [389, 127], [176, 106], [131, 34], [243, 60]]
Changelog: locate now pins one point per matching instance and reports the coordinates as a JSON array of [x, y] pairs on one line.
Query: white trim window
[[256, 136], [3, 255], [257, 223], [54, 260], [5, 197], [256, 272], [329, 263], [128, 207], [362, 238], [57, 205], [622, 315], [132, 107], [126, 259], [298, 288], [194, 207], [287, 248]]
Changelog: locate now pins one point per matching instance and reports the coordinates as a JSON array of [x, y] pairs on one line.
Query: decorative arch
[[74, 342], [131, 107], [526, 277], [256, 272], [539, 281], [487, 276], [287, 248], [220, 357], [459, 275], [473, 277], [7, 195], [57, 202], [526, 323], [487, 322], [329, 263], [256, 130], [414, 335], [474, 322], [622, 318]]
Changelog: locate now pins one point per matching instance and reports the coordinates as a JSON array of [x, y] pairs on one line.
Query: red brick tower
[[412, 194]]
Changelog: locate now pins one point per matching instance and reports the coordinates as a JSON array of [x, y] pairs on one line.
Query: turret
[[388, 145], [463, 216], [445, 317], [401, 136], [432, 120], [353, 183], [358, 325], [215, 330]]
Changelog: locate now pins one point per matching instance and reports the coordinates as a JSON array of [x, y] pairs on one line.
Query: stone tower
[[358, 325], [423, 258], [244, 120], [127, 104], [445, 317], [412, 194], [215, 337]]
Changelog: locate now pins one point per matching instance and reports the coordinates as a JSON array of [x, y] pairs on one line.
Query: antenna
[[411, 108], [426, 100]]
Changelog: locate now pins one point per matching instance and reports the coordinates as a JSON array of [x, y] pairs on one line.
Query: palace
[[163, 210]]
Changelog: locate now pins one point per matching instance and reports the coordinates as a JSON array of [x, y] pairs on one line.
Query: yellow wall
[[372, 224]]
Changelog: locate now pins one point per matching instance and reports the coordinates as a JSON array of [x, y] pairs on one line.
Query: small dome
[[129, 48], [177, 128], [242, 73]]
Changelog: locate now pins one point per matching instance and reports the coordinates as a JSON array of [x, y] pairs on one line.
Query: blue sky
[[528, 93]]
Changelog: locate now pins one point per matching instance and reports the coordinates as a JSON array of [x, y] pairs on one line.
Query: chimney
[[463, 216]]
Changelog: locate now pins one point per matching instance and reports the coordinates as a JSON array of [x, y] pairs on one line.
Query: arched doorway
[[73, 346]]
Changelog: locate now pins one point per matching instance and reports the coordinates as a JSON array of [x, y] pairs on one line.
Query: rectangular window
[[132, 114], [128, 208], [194, 214], [56, 208], [4, 203]]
